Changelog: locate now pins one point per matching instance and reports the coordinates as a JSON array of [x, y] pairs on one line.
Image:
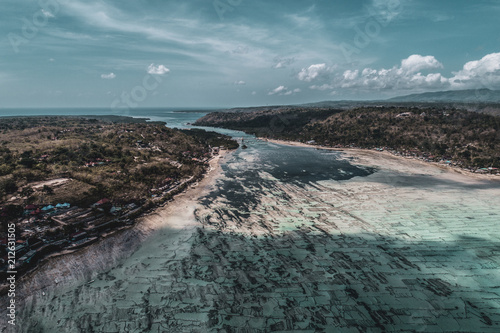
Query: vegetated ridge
[[466, 139]]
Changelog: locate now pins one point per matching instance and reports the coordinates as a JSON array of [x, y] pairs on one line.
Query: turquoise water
[[303, 240]]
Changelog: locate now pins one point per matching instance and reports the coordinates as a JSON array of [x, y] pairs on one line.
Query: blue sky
[[204, 53]]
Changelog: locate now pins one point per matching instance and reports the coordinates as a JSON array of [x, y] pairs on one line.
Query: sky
[[228, 53]]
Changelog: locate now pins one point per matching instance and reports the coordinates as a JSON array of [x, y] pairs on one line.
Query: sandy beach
[[377, 243], [66, 270], [371, 157]]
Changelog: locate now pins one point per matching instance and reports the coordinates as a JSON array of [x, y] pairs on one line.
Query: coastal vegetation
[[65, 180], [467, 139]]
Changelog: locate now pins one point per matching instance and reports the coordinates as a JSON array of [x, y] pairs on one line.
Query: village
[[62, 228], [90, 180]]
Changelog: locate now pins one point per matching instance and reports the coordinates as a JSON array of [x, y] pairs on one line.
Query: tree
[[8, 186], [27, 191], [47, 190]]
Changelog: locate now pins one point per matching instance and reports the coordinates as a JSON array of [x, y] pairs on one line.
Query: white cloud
[[254, 93], [158, 70], [282, 62], [284, 91], [404, 77], [109, 76], [239, 83], [350, 75], [312, 72], [322, 87], [278, 90], [416, 63], [479, 73]]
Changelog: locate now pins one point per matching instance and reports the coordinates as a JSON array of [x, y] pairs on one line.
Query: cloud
[[278, 90], [283, 91], [282, 62], [239, 83], [479, 73], [314, 71], [157, 70], [322, 87], [404, 77], [416, 63], [109, 76]]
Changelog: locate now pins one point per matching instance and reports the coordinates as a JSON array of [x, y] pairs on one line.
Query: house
[[64, 205], [115, 210], [101, 202], [48, 208], [404, 115]]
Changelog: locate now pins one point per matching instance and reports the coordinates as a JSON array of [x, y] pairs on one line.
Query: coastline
[[406, 222], [368, 157], [67, 269]]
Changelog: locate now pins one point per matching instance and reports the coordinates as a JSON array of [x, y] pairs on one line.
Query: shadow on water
[[299, 280], [307, 279], [245, 183]]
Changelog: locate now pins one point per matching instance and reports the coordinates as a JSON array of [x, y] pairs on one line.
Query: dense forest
[[469, 139]]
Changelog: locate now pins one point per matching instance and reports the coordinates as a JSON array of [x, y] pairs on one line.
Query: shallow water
[[299, 239]]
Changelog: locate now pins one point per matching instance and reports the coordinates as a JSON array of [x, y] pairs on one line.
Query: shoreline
[[62, 270], [402, 235], [369, 154]]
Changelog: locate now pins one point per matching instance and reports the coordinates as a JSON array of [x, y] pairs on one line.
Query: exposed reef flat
[[405, 246]]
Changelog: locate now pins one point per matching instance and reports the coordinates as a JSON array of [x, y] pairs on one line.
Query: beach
[[364, 241], [367, 156], [66, 270]]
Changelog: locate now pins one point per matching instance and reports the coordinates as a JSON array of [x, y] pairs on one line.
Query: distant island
[[466, 139], [65, 181]]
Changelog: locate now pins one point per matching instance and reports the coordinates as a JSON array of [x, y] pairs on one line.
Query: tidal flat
[[300, 240]]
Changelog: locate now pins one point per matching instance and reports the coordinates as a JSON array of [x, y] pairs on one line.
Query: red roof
[[30, 207], [102, 201]]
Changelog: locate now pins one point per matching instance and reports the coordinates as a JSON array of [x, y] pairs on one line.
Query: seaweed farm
[[292, 239]]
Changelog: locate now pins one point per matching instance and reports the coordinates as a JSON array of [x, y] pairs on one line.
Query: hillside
[[459, 96], [66, 181], [468, 139]]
